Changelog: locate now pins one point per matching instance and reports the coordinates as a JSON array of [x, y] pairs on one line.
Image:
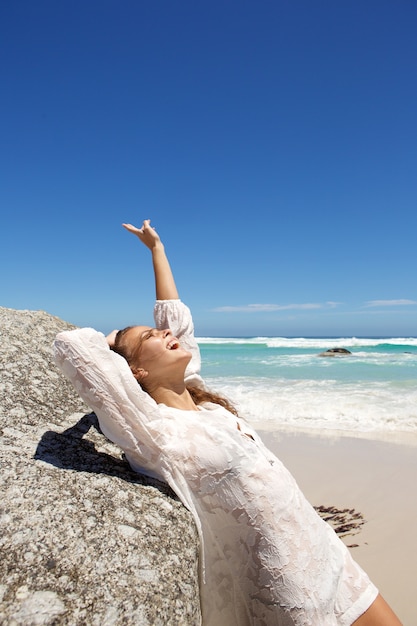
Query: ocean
[[282, 383]]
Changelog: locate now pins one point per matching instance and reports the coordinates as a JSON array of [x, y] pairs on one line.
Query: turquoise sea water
[[283, 381]]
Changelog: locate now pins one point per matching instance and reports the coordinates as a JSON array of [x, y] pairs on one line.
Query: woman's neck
[[175, 398]]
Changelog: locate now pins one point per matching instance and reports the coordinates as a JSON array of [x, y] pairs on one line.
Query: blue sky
[[272, 143]]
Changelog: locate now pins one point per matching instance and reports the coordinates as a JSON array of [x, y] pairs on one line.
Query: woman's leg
[[378, 614]]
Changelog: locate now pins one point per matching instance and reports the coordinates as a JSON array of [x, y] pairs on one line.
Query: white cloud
[[373, 303], [332, 304], [262, 308]]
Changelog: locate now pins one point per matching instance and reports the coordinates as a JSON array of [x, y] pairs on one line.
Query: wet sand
[[377, 478]]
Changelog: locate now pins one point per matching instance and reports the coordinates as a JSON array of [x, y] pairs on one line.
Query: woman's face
[[155, 350]]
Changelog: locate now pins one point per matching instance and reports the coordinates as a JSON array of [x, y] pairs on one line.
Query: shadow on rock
[[71, 451]]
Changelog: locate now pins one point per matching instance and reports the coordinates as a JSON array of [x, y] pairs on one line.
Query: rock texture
[[84, 540]]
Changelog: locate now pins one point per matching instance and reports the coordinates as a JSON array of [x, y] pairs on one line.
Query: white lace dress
[[267, 558]]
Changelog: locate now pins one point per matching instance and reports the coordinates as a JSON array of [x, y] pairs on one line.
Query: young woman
[[267, 558]]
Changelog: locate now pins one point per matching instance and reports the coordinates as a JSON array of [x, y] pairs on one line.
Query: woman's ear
[[139, 373]]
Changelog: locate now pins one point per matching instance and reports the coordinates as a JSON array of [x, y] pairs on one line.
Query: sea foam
[[282, 381]]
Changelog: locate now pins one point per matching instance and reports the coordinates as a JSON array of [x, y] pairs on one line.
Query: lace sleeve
[[176, 316]]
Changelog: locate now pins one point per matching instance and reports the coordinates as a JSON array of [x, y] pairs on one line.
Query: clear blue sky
[[272, 143]]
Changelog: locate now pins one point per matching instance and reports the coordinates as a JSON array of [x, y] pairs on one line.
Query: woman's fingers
[[131, 228], [111, 338]]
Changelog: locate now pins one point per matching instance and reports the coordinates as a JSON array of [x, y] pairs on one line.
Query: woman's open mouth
[[173, 344]]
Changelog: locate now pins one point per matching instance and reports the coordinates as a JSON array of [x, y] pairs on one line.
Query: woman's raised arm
[[165, 286]]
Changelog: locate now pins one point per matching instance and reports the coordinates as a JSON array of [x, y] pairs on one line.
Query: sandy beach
[[377, 478]]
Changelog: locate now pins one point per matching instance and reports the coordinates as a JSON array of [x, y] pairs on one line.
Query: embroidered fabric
[[267, 558]]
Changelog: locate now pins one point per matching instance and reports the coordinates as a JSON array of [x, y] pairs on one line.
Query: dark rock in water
[[84, 540], [335, 352]]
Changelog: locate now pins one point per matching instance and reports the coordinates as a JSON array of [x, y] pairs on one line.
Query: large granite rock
[[84, 540]]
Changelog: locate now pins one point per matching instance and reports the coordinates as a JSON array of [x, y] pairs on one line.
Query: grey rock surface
[[83, 539]]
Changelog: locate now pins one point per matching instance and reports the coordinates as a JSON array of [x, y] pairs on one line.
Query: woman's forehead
[[137, 331]]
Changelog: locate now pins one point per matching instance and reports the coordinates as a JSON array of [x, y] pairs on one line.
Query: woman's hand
[[147, 234], [111, 338], [164, 280]]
